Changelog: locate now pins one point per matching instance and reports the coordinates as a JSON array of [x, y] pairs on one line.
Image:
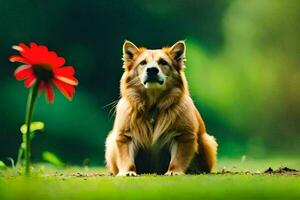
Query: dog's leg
[[183, 149], [125, 159], [111, 154]]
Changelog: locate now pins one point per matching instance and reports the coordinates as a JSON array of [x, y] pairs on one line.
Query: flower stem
[[20, 152], [28, 119]]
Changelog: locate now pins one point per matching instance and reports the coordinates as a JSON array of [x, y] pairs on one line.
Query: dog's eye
[[144, 62], [162, 62]]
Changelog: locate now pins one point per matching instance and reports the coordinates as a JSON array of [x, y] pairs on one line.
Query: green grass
[[51, 183]]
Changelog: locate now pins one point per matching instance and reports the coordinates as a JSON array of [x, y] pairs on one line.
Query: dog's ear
[[177, 51], [129, 50]]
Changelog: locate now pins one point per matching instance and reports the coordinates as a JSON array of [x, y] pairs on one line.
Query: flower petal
[[66, 89], [49, 93], [58, 62], [23, 72], [30, 81], [69, 70], [16, 58], [33, 44], [23, 46], [71, 80], [18, 48]]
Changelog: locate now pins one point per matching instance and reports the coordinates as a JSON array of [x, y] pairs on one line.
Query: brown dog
[[157, 128]]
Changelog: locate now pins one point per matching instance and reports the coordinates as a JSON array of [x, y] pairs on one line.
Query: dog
[[157, 128]]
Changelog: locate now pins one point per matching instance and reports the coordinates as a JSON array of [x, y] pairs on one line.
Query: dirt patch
[[78, 175], [228, 172], [282, 171]]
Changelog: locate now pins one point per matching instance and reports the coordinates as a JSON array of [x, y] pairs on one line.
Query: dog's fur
[[157, 128]]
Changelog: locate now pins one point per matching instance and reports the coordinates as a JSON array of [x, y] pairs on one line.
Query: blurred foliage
[[2, 165], [242, 67], [252, 83], [52, 159]]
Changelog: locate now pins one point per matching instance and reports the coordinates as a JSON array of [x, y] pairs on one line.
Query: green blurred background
[[243, 69]]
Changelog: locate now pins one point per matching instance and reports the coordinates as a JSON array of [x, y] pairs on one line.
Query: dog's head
[[158, 69]]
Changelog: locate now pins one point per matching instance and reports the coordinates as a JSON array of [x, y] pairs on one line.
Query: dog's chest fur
[[153, 114], [152, 128]]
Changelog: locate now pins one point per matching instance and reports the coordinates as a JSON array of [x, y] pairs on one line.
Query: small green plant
[[35, 127], [52, 159]]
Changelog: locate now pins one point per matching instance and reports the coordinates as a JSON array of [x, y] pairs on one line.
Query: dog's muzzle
[[152, 76]]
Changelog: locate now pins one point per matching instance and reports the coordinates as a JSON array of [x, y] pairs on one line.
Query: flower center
[[43, 72]]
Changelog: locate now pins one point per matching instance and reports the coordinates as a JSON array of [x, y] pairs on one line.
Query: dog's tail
[[207, 149], [207, 152]]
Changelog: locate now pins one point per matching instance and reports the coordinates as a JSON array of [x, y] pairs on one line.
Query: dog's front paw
[[128, 173], [174, 173]]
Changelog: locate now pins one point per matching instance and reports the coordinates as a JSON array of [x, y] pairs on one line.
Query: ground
[[233, 179]]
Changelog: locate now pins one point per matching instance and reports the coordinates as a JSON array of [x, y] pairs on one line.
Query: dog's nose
[[152, 71]]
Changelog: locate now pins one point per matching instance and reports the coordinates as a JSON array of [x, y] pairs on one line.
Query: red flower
[[42, 66]]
